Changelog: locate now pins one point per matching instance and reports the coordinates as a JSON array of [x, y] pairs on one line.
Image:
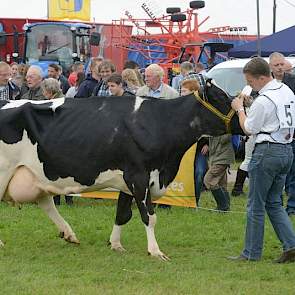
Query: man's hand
[[238, 105], [238, 102], [248, 100]]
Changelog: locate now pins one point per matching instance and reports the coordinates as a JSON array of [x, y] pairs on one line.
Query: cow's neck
[[189, 120]]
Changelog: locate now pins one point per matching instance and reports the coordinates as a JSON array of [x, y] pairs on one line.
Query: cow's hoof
[[1, 244], [70, 238], [117, 247], [160, 255]]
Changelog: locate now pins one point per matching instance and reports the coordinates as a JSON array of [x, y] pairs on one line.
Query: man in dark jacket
[[34, 80], [87, 86], [277, 66]]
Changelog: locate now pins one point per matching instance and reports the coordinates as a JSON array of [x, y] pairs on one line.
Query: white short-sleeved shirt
[[262, 115]]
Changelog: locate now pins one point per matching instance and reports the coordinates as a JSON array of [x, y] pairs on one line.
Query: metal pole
[[274, 16], [258, 30]]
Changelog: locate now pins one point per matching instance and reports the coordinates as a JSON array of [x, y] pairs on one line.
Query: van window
[[231, 80]]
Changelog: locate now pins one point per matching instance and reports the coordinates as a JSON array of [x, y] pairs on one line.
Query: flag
[[69, 9]]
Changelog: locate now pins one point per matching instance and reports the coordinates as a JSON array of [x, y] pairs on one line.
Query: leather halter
[[225, 118]]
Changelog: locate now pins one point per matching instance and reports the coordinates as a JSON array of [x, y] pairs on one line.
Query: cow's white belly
[[25, 186], [27, 182]]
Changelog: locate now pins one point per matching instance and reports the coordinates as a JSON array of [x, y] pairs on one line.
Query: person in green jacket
[[221, 155]]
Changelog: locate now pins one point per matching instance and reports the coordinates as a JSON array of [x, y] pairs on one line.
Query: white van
[[229, 74]]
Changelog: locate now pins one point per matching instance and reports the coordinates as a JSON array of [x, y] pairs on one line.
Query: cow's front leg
[[66, 232], [149, 218], [123, 215]]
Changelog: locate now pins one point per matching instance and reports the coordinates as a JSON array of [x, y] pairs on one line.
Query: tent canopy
[[282, 42]]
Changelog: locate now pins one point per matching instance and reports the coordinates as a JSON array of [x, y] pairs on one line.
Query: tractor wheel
[[172, 10], [178, 17], [197, 4]]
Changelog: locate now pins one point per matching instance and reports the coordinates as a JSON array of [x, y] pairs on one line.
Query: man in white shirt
[[271, 121]]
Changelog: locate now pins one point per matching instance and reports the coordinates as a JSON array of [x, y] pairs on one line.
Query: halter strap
[[225, 118]]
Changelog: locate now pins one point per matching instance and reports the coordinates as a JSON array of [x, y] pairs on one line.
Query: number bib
[[286, 114], [284, 100]]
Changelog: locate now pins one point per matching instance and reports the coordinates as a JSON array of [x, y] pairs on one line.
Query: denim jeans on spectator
[[268, 168], [290, 185], [201, 167]]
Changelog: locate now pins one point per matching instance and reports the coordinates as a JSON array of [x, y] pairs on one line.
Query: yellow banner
[[69, 9], [180, 192]]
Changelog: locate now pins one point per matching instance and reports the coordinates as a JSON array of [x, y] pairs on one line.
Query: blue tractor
[[58, 42]]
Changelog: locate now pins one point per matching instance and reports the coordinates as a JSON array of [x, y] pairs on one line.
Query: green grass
[[35, 261]]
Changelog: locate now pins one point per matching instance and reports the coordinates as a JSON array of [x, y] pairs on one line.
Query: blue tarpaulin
[[282, 42]]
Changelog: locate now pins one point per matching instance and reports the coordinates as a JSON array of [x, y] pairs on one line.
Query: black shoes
[[56, 200], [69, 200], [290, 212], [222, 199], [286, 257], [236, 193], [218, 210], [239, 183]]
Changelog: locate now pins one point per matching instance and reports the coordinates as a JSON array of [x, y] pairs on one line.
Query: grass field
[[35, 261]]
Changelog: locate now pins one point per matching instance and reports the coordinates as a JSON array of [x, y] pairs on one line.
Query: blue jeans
[[268, 168], [201, 167], [290, 184]]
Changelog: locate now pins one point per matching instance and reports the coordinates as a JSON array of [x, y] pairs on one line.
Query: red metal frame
[[171, 36]]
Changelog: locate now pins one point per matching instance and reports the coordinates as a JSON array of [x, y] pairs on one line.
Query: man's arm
[[242, 118]]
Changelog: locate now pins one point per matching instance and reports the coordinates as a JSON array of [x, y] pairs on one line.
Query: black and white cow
[[132, 144]]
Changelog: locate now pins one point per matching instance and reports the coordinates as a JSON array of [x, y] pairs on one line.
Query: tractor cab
[[203, 52], [58, 42], [213, 52]]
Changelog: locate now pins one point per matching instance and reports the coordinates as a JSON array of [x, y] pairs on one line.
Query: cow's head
[[222, 102]]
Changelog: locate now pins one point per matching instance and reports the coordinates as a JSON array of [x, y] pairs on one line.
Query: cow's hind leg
[[66, 232], [5, 176], [123, 215], [148, 216]]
